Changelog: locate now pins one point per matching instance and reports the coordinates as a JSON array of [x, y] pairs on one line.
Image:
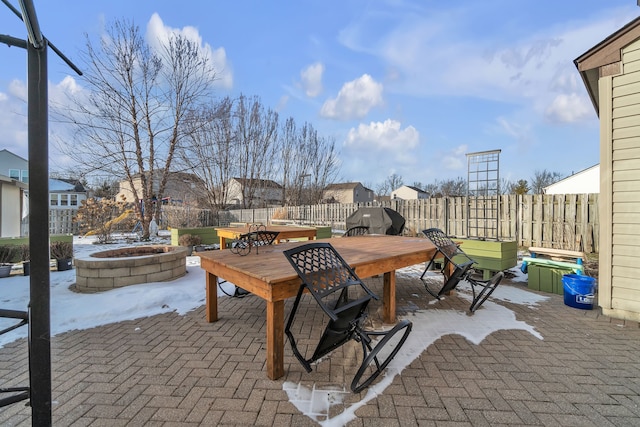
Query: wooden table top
[[279, 228], [368, 255]]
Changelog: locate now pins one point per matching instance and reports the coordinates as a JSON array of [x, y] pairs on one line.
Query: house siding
[[10, 217], [622, 299]]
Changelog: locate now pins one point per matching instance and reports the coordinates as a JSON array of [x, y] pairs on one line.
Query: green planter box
[[323, 232], [490, 256], [207, 234], [546, 278]]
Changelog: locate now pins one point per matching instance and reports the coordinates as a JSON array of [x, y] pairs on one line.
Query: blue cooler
[[579, 291]]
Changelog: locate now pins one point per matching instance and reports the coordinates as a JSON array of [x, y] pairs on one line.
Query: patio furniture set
[[331, 271]]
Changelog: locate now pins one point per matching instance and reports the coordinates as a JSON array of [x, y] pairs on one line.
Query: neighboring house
[[407, 192], [12, 206], [583, 182], [65, 197], [14, 166], [66, 194], [181, 188], [348, 192], [266, 192], [611, 73]]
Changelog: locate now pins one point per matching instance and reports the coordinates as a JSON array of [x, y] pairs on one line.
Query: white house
[[65, 195], [407, 192], [583, 182]]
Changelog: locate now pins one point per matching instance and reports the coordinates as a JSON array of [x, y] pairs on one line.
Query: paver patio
[[180, 370]]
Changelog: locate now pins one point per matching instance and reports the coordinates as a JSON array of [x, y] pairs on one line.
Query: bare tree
[[210, 153], [256, 130], [543, 179], [453, 187], [138, 110], [309, 163], [288, 150], [323, 167]]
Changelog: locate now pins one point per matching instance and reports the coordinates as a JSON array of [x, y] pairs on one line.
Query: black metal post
[[40, 348]]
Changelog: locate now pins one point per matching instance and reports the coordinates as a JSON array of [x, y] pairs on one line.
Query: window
[[54, 200], [64, 200], [19, 175], [74, 200]]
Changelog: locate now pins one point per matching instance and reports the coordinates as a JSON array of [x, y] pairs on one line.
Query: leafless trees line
[[241, 138], [146, 110]]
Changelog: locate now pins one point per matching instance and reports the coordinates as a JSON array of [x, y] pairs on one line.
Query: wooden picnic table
[[285, 232], [268, 275]]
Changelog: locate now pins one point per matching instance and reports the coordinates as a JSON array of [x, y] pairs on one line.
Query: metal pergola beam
[[39, 281]]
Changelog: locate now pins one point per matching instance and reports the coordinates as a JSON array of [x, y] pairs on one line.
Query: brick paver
[[172, 370]]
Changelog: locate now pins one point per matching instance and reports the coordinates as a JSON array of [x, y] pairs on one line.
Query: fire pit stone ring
[[101, 271]]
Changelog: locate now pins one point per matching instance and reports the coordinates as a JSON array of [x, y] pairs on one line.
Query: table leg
[[389, 297], [223, 243], [275, 339], [448, 271], [212, 297]]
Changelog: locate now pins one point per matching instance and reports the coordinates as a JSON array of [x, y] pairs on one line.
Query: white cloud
[[454, 159], [311, 79], [355, 99], [379, 149], [515, 130], [570, 108], [13, 120], [158, 35], [434, 53], [282, 102], [385, 135]]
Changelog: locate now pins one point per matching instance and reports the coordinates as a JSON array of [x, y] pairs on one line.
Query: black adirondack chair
[[457, 266], [331, 281], [15, 394]]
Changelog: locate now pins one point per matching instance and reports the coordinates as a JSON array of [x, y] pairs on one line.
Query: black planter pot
[[5, 270], [63, 264]]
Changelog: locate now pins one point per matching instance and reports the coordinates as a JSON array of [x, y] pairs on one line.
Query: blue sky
[[404, 87]]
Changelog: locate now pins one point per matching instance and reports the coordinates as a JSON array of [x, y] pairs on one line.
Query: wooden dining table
[[269, 275], [285, 232]]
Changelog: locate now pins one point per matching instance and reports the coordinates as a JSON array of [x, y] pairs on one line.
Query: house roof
[[416, 189], [419, 190], [17, 183], [345, 186], [59, 186], [604, 58], [264, 183]]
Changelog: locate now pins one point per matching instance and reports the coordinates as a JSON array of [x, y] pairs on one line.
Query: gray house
[[14, 166]]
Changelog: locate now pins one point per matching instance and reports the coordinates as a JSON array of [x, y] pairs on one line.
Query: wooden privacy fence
[[568, 221]]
